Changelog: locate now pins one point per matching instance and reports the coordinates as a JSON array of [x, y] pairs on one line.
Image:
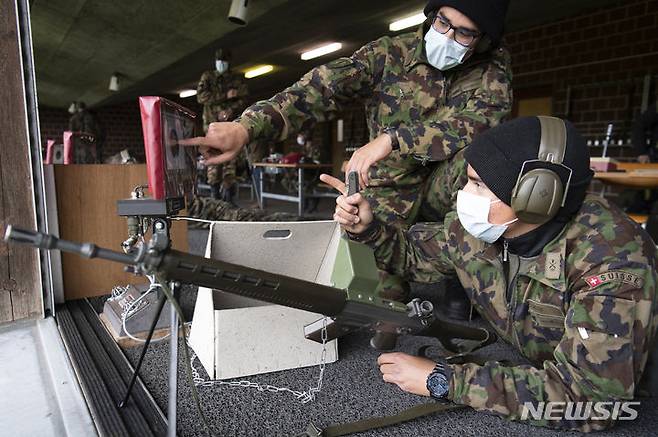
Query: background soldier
[[82, 120], [426, 94], [223, 95], [573, 287]]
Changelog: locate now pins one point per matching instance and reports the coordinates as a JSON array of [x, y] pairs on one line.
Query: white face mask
[[442, 52], [301, 141], [473, 212], [221, 66]]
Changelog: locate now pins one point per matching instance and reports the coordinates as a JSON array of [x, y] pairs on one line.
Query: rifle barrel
[[192, 269], [49, 242], [253, 283]]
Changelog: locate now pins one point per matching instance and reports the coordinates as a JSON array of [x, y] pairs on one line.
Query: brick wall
[[122, 125], [601, 56]]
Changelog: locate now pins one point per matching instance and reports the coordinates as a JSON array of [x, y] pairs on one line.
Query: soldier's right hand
[[353, 213], [222, 143]]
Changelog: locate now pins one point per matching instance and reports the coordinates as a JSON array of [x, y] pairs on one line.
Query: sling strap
[[379, 422]]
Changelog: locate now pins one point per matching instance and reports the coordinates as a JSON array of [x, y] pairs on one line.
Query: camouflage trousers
[[228, 171], [436, 197], [207, 208], [218, 173]]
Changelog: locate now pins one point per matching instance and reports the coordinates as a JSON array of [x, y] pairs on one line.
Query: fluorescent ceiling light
[[403, 23], [258, 71], [187, 93], [321, 51]]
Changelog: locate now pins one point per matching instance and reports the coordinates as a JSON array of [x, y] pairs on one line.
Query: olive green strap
[[379, 422]]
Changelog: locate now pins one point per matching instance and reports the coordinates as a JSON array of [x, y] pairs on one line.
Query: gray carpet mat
[[353, 390]]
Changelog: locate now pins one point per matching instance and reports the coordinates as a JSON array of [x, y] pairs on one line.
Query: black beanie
[[489, 15], [498, 154]]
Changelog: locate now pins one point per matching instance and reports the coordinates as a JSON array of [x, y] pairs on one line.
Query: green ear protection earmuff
[[539, 192]]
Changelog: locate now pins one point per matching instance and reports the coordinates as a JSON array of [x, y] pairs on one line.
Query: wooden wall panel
[[20, 280], [87, 212]]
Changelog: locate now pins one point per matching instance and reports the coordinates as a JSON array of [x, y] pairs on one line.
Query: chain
[[303, 396]]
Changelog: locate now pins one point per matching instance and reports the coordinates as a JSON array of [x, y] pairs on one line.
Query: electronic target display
[[171, 167]]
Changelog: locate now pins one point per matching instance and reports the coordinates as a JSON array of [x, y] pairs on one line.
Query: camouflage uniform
[[218, 210], [435, 114], [212, 93], [85, 122], [583, 311]]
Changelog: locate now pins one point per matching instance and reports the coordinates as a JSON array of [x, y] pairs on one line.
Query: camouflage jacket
[[85, 121], [435, 113], [213, 93], [583, 312]]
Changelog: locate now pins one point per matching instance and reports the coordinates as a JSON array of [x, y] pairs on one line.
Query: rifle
[[350, 304]]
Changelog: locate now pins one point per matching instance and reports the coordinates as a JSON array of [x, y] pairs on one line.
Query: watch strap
[[393, 134]]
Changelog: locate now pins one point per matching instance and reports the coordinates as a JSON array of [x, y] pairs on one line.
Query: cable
[[191, 219], [153, 286]]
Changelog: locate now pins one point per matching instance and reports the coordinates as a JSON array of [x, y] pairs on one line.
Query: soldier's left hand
[[406, 371], [232, 94], [368, 155]]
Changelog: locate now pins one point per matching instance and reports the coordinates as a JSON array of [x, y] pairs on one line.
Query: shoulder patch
[[614, 276]]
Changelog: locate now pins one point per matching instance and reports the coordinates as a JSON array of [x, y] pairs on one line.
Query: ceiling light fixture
[[406, 22], [238, 12], [115, 82], [321, 51], [258, 71], [187, 93]]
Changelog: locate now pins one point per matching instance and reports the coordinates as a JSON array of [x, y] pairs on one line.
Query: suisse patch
[[614, 276]]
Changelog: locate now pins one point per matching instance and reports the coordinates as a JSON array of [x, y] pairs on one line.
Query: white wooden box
[[235, 336]]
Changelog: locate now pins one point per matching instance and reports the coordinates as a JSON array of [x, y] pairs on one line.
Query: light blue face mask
[[221, 66], [442, 52]]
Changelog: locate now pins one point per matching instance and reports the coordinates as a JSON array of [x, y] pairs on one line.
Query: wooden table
[[631, 179], [299, 199], [635, 176]]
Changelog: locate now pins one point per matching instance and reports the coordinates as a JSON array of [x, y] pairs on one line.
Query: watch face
[[438, 385]]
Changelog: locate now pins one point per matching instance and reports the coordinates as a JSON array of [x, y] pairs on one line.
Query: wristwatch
[[437, 383], [393, 134]]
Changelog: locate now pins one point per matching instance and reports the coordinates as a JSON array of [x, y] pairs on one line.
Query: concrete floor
[[39, 392]]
